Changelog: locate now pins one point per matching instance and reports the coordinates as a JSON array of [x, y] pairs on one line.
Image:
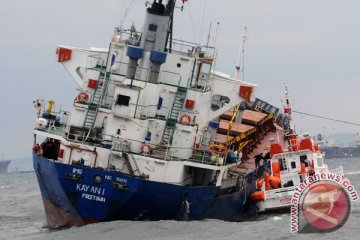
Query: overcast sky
[[314, 46]]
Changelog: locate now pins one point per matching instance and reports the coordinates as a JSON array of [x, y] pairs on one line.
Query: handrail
[[192, 43], [82, 149], [199, 155], [339, 170]]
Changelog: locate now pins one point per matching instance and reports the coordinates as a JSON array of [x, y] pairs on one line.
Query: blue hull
[[76, 195]]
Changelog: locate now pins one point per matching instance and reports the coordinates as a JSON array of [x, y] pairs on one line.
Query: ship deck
[[161, 152]]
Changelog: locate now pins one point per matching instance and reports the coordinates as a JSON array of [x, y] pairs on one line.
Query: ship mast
[[288, 110], [240, 64], [169, 36]]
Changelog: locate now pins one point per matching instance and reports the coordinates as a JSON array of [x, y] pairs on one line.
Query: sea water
[[22, 217]]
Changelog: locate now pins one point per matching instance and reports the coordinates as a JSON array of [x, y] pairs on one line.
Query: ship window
[[160, 103], [153, 27], [293, 165], [303, 159], [123, 100], [282, 162]]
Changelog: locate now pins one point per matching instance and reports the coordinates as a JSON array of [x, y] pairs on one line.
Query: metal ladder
[[129, 166], [96, 100], [174, 114]]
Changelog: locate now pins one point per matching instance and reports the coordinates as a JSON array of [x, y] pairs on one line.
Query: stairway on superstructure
[[121, 148], [173, 116], [131, 164], [96, 99]]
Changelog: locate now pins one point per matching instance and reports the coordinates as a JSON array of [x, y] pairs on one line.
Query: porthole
[[97, 179]]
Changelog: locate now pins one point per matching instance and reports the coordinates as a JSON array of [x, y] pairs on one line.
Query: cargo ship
[[154, 132], [333, 150]]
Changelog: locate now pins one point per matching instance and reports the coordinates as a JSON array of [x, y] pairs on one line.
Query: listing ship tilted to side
[[155, 133]]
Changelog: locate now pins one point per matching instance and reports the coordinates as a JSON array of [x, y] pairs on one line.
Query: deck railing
[[115, 143], [338, 171]]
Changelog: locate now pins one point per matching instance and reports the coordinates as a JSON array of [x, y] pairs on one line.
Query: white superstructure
[[145, 105]]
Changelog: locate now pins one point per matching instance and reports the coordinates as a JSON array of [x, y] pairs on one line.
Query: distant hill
[[21, 164]]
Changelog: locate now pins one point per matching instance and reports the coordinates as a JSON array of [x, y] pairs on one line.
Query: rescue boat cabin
[[291, 167], [286, 170]]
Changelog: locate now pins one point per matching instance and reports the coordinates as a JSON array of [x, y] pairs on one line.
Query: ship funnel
[[156, 58], [156, 26], [134, 54], [154, 35]]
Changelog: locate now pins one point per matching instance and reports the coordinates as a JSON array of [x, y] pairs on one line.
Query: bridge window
[[283, 165], [123, 100], [293, 165], [303, 159]]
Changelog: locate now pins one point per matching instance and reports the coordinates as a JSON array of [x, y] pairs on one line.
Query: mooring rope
[[327, 118]]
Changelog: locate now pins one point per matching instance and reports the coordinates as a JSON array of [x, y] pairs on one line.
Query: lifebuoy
[[185, 119], [217, 148], [82, 97], [145, 148]]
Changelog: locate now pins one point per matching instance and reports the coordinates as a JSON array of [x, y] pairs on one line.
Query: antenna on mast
[[169, 36], [123, 16], [208, 37], [240, 64], [216, 36], [287, 108]]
